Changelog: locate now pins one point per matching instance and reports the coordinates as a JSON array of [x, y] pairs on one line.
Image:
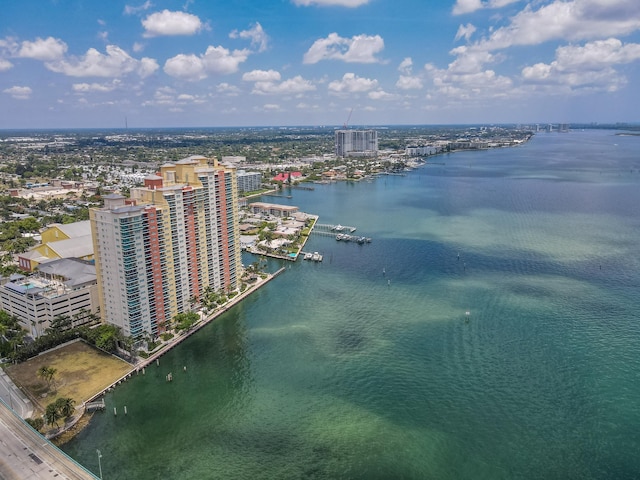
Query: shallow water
[[366, 366]]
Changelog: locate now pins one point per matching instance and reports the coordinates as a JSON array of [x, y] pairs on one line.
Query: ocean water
[[367, 366]]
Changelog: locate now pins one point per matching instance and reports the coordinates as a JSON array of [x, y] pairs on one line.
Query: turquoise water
[[366, 366]]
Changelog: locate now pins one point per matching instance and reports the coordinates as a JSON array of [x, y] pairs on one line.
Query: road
[[27, 455]]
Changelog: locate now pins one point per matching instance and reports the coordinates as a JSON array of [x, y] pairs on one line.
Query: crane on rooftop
[[348, 118]]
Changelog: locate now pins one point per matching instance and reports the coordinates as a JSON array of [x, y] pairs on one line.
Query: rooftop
[[55, 278]]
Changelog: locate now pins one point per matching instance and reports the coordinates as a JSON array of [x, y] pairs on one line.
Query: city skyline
[[164, 63]]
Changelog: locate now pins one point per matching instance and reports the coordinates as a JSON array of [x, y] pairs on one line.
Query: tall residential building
[[356, 143], [158, 251], [249, 181]]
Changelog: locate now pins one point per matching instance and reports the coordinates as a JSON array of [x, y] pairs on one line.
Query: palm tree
[[65, 406], [47, 373], [52, 415]]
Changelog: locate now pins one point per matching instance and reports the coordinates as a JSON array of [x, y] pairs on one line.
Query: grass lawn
[[81, 372]]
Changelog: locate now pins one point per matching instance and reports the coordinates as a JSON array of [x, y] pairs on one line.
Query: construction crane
[[344, 127]]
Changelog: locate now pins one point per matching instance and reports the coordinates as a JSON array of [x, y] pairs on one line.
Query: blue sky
[[164, 63]]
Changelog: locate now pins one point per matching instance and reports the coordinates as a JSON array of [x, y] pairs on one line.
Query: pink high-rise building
[[157, 251]]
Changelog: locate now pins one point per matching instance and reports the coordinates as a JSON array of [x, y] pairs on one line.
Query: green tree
[[184, 321], [65, 406], [47, 373], [52, 415], [37, 423], [106, 341], [58, 325]]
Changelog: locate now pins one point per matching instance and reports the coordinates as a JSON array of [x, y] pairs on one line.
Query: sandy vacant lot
[[81, 372]]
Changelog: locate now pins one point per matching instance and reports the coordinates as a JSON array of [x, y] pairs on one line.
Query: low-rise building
[[72, 240], [65, 287], [274, 209]]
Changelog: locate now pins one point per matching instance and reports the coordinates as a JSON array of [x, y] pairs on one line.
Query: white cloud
[[188, 67], [8, 44], [222, 61], [164, 96], [408, 82], [358, 49], [217, 60], [596, 55], [406, 66], [256, 34], [466, 6], [95, 87], [567, 20], [116, 63], [19, 93], [292, 86], [470, 60], [147, 67], [5, 65], [131, 10], [227, 89], [186, 98], [381, 95], [271, 107], [331, 3], [351, 83], [469, 85], [261, 76], [43, 49], [171, 23], [306, 106], [168, 98], [266, 83], [469, 6], [589, 66], [465, 31]]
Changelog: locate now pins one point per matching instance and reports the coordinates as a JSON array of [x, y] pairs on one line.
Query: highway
[[27, 455]]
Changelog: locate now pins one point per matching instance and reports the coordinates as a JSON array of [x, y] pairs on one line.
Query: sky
[[209, 63]]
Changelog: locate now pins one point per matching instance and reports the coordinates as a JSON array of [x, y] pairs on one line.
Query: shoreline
[[177, 340], [78, 424]]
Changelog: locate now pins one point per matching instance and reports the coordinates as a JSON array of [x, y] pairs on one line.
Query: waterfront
[[365, 366]]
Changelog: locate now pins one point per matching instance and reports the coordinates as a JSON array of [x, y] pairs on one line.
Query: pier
[[323, 227], [352, 238], [92, 406], [340, 233]]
